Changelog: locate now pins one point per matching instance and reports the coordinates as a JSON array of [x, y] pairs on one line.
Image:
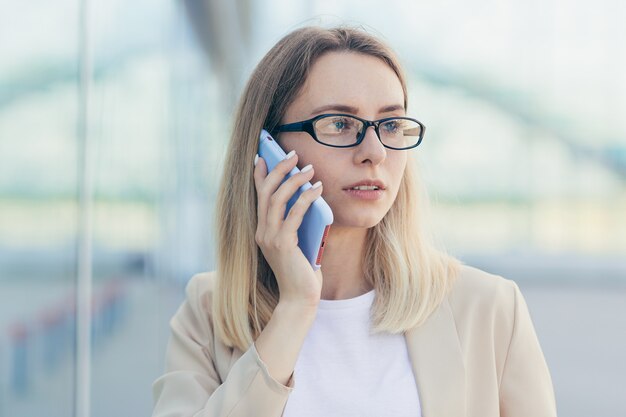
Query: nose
[[370, 149]]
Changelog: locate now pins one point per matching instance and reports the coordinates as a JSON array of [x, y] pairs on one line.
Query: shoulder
[[199, 291], [194, 316], [483, 293], [475, 284]]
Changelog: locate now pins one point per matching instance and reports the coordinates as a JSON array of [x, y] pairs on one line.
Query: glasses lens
[[338, 130], [400, 133]]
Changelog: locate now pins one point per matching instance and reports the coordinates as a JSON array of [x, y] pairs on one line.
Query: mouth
[[365, 192], [366, 185], [364, 188]]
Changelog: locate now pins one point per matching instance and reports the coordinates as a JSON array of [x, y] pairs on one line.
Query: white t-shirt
[[344, 371]]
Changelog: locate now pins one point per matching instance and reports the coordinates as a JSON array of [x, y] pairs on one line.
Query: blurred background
[[114, 119]]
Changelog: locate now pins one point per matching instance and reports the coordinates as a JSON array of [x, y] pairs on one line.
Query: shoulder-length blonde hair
[[409, 275]]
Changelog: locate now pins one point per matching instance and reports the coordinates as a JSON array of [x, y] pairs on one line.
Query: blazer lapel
[[437, 360]]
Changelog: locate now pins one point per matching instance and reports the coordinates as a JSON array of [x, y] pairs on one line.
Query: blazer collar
[[438, 367]]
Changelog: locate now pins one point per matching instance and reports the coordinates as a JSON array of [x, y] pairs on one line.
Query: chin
[[362, 222], [351, 214]]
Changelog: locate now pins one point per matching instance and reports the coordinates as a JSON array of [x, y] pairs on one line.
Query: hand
[[277, 236]]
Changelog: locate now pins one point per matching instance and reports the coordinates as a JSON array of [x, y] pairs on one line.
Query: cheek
[[398, 166], [324, 172], [324, 164], [304, 146]]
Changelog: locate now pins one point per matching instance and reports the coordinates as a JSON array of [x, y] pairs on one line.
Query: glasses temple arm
[[291, 127]]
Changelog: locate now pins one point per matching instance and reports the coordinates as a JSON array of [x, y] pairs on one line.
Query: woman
[[389, 326]]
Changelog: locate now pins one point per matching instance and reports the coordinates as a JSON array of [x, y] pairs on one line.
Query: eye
[[392, 127], [336, 125], [340, 124]]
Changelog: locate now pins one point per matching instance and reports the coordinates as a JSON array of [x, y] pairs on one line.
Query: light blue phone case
[[317, 219]]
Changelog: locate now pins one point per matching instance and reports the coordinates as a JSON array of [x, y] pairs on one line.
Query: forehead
[[348, 78]]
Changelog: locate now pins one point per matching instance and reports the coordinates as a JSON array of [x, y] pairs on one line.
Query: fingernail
[[317, 185], [256, 159], [307, 168], [290, 154]]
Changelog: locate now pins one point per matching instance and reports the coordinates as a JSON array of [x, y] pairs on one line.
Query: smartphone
[[316, 222]]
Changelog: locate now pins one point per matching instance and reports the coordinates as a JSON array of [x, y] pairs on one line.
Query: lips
[[367, 183]]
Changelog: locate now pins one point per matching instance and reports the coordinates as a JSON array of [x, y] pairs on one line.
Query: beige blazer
[[476, 356]]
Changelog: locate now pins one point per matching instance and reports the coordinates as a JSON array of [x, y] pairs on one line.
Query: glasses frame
[[308, 127]]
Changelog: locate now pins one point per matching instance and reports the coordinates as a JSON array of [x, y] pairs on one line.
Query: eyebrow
[[354, 110]]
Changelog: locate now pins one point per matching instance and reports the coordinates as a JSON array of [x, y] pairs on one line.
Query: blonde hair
[[410, 276]]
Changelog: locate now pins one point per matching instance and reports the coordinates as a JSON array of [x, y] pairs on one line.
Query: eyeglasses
[[345, 131]]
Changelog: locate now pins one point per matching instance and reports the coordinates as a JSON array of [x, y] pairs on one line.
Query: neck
[[342, 264]]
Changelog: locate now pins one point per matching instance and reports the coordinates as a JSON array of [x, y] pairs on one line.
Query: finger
[[273, 179], [296, 214], [266, 184], [278, 201], [259, 173]]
